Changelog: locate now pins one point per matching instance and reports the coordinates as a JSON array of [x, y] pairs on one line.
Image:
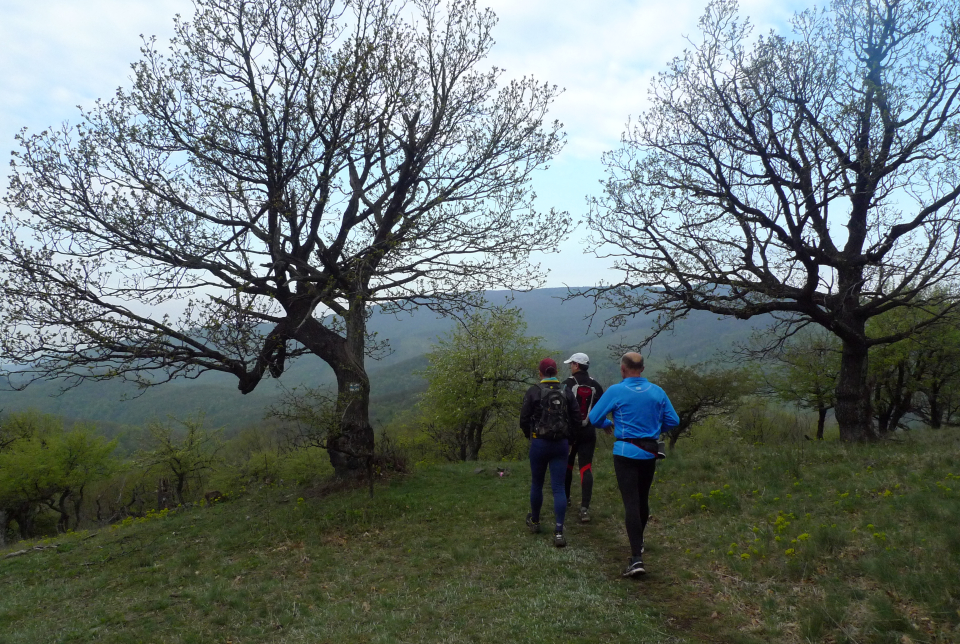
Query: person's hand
[[608, 430]]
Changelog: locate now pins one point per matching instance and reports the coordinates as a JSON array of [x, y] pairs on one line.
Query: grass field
[[797, 543]]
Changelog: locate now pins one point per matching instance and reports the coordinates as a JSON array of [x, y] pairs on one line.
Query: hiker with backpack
[[547, 415], [641, 412], [583, 439]]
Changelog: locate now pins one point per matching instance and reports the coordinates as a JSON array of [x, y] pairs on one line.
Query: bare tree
[[286, 166], [812, 177]]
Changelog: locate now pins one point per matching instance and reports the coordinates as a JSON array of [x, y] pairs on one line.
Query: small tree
[[81, 457], [48, 466], [702, 391], [25, 471], [940, 388], [805, 370], [917, 376], [476, 378], [186, 452]]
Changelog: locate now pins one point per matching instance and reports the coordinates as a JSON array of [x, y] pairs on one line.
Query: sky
[[58, 54]]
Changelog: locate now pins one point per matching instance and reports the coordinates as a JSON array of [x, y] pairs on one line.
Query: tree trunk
[[181, 481], [674, 435], [853, 394], [936, 409], [475, 435], [351, 447], [63, 523], [475, 440], [903, 407], [24, 514], [78, 507], [881, 409], [350, 444], [4, 524], [902, 400], [163, 494], [462, 441], [821, 421]]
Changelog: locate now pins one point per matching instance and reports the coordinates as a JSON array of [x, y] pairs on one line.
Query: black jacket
[[585, 432], [530, 409]]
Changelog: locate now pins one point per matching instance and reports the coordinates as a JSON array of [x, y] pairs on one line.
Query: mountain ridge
[[564, 325]]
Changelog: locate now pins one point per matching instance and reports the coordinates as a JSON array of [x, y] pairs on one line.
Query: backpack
[[554, 421], [586, 396]]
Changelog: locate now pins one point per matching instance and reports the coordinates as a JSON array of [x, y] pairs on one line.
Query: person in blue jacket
[[641, 412]]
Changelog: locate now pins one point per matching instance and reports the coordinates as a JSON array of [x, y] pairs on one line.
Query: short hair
[[632, 363]]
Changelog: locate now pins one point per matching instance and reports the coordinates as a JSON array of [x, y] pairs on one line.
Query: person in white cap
[[583, 440]]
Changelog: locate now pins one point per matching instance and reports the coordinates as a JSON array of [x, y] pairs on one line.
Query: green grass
[[829, 543]]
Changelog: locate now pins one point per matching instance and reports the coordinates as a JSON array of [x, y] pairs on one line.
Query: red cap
[[548, 367]]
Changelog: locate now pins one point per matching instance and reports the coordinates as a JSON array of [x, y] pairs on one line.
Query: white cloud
[[57, 54], [605, 59]]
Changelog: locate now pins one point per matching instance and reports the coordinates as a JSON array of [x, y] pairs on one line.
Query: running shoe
[[584, 515], [634, 568], [532, 526], [558, 539]]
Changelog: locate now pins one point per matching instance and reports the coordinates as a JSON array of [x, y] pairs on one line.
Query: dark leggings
[[634, 477], [583, 450], [553, 454]]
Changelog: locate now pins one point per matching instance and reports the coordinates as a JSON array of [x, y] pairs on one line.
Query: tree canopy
[[286, 165], [47, 465], [809, 176]]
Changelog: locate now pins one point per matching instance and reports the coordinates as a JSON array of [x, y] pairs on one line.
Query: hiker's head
[[631, 365], [578, 362], [548, 368]]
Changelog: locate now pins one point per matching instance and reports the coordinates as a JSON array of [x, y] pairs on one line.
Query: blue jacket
[[640, 409]]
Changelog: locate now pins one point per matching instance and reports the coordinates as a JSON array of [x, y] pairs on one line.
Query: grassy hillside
[[564, 326], [801, 542]]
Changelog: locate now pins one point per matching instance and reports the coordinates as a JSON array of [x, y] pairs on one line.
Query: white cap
[[579, 358]]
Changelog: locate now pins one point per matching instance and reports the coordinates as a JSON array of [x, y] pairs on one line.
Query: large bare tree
[[811, 176], [285, 166]]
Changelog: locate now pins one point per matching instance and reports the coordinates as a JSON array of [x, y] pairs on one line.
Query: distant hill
[[564, 326]]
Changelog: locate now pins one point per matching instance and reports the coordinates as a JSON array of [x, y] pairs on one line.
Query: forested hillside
[[564, 325]]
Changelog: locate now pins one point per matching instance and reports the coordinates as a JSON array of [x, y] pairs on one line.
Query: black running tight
[[584, 451], [634, 477]]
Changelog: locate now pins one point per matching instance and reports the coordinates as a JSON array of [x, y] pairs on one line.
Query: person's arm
[[526, 411], [573, 408], [668, 417], [598, 415]]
